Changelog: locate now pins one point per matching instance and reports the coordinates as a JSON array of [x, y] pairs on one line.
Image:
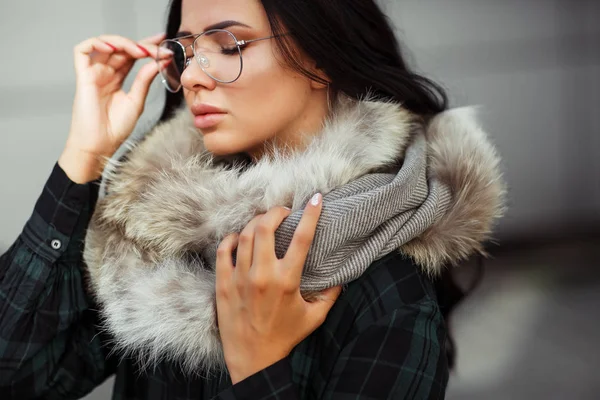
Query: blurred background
[[530, 329]]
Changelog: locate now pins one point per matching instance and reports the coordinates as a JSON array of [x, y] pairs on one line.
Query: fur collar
[[360, 137], [158, 298]]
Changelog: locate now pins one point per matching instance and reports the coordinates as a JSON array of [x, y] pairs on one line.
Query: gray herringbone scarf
[[367, 217]]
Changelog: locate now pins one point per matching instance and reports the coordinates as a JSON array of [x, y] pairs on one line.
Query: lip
[[206, 121], [207, 116]]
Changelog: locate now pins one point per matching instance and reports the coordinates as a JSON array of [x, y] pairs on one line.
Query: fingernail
[[111, 46], [287, 208], [144, 50], [316, 199]]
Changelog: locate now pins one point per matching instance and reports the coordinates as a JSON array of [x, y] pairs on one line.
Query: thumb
[[320, 307], [141, 84]]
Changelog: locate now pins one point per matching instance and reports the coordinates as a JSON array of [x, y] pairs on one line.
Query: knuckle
[[224, 248], [258, 283], [246, 237], [263, 227], [303, 238], [222, 251], [221, 291]]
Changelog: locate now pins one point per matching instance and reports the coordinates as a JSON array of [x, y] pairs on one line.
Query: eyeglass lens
[[216, 53]]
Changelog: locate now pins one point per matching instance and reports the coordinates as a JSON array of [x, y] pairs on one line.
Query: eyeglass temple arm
[[239, 42], [245, 42]]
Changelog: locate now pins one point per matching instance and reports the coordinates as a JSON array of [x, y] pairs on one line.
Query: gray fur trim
[[389, 183]]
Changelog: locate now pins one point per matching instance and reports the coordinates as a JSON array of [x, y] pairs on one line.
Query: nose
[[194, 78]]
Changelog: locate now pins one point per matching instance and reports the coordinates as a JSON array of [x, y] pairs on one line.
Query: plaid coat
[[384, 338]]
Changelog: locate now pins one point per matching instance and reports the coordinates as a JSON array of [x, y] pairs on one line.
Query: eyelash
[[225, 51], [231, 51]]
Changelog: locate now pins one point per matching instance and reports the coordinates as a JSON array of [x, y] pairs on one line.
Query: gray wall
[[533, 66], [37, 87]]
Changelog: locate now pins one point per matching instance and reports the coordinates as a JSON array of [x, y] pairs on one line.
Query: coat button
[[56, 244]]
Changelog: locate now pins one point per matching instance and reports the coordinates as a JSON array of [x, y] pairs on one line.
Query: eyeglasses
[[217, 51]]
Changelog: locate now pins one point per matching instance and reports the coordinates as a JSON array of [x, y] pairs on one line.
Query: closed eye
[[230, 51]]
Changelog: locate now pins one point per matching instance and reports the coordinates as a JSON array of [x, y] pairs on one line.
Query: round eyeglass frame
[[240, 44]]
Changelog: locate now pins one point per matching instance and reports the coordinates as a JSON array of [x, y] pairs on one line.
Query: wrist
[[80, 166]]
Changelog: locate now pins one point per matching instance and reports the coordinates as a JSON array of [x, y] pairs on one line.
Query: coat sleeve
[[399, 356], [385, 338], [274, 382], [49, 345]]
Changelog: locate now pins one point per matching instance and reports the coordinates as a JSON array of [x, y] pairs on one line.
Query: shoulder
[[393, 290]]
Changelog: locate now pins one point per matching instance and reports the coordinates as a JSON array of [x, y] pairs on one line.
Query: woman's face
[[268, 100]]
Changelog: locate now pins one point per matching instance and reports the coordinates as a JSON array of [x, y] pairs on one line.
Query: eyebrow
[[218, 25]]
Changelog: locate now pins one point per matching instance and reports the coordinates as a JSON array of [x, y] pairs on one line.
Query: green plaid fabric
[[383, 339]]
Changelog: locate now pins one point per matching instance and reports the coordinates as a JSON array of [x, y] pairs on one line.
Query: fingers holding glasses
[[117, 53], [125, 51], [150, 44], [91, 51]]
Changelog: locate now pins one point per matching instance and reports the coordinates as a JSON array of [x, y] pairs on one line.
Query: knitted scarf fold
[[389, 182]]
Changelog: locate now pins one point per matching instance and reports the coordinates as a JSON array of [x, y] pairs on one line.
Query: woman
[[297, 154]]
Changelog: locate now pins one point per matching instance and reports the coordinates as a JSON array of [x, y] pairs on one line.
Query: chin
[[221, 144]]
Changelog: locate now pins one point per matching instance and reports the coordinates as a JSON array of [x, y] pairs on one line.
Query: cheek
[[266, 100], [268, 96]]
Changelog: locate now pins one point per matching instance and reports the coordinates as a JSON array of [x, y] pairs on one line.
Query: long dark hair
[[352, 42]]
